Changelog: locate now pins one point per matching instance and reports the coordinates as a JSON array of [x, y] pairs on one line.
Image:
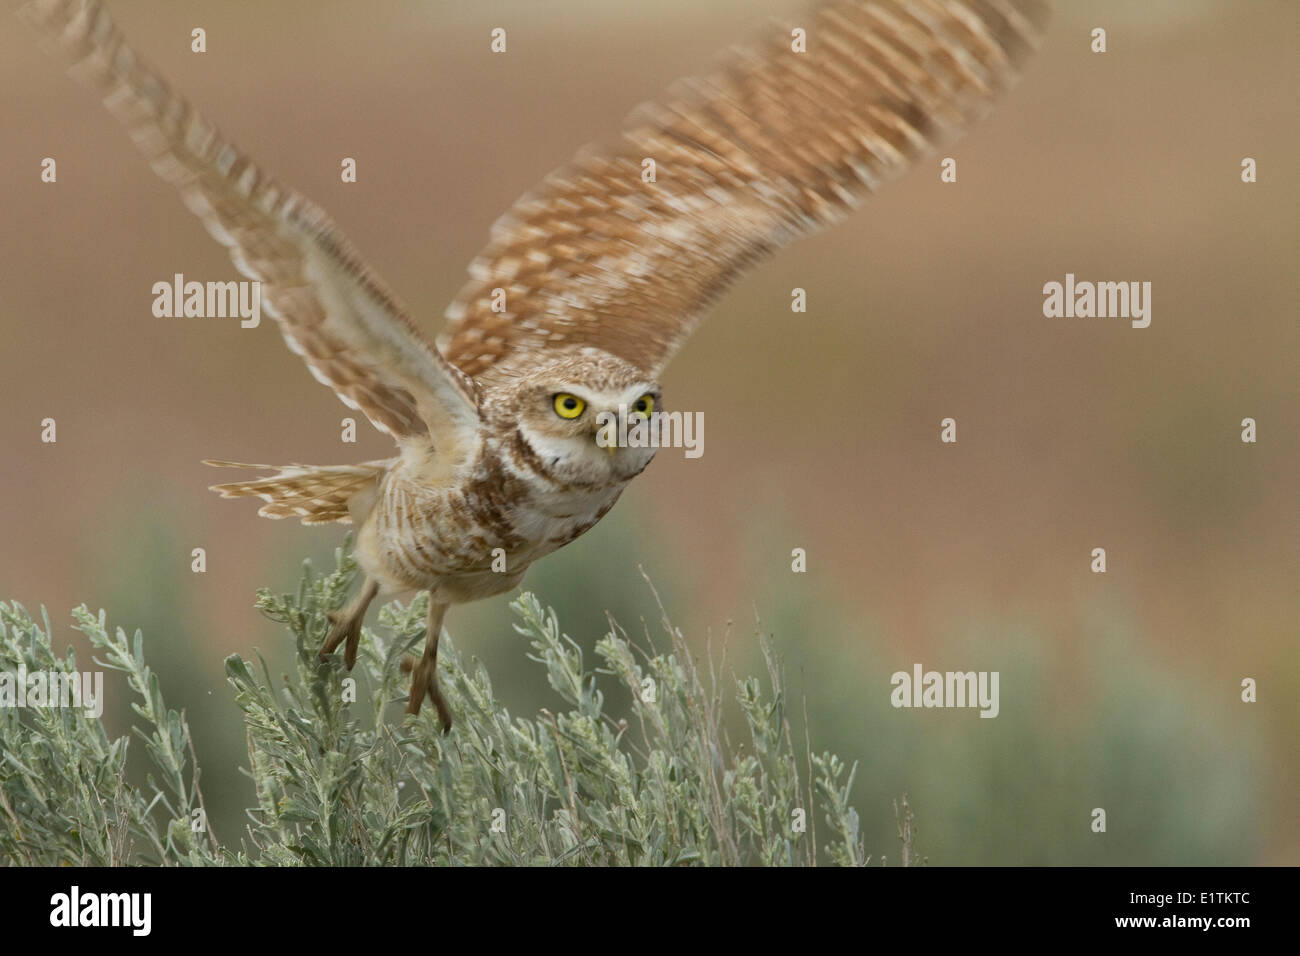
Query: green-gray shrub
[[343, 777]]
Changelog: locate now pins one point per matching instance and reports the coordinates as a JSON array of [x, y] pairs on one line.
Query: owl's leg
[[424, 672], [347, 625]]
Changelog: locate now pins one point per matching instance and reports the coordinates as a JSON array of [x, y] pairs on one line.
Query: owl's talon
[[424, 681], [424, 670], [347, 629], [347, 626]]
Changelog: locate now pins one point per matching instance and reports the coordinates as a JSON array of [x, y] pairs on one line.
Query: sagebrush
[[343, 777]]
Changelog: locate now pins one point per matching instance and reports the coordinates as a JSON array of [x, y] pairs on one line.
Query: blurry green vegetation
[[1180, 784], [148, 581]]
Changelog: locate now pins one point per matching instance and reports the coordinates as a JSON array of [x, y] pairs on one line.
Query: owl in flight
[[587, 287]]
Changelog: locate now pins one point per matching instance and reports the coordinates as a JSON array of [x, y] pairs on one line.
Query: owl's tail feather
[[318, 494]]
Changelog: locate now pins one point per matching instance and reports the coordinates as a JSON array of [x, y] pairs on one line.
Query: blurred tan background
[[1118, 690]]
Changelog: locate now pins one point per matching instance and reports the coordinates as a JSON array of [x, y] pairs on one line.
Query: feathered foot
[[347, 625], [424, 672]]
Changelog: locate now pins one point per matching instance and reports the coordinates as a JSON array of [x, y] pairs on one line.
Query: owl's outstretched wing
[[333, 311], [774, 145]]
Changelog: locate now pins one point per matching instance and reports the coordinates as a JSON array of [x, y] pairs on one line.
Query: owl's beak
[[608, 449]]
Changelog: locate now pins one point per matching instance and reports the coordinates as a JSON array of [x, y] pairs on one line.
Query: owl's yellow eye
[[568, 406], [645, 405]]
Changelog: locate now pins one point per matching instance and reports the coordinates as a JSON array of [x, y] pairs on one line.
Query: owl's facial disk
[[576, 430]]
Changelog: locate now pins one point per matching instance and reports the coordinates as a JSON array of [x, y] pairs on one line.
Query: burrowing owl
[[587, 287]]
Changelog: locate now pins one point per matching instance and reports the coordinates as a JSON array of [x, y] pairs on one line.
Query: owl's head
[[566, 409]]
